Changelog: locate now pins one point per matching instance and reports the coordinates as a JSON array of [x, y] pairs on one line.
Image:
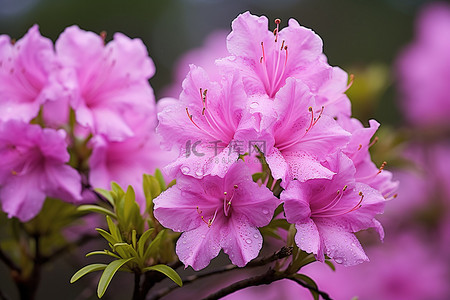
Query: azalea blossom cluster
[[273, 99], [82, 97]]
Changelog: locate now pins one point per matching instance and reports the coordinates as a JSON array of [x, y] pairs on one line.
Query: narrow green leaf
[[107, 236], [105, 194], [172, 183], [115, 232], [117, 189], [310, 282], [278, 210], [108, 274], [130, 201], [160, 178], [168, 271], [105, 252], [85, 270], [331, 265], [154, 246], [96, 209], [133, 238], [143, 240], [127, 248], [257, 176]]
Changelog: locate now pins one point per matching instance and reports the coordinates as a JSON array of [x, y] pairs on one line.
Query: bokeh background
[[363, 37]]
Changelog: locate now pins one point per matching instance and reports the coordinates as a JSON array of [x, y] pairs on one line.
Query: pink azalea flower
[[266, 59], [423, 66], [216, 213], [24, 75], [204, 124], [102, 82], [33, 166], [125, 161], [327, 212], [298, 135], [358, 150]]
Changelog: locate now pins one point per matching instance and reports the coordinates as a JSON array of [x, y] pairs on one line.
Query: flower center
[[227, 201], [330, 209], [274, 66], [213, 129], [290, 142]]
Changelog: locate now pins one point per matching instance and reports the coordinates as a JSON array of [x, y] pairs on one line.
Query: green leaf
[[127, 248], [97, 209], [112, 240], [105, 252], [154, 247], [331, 265], [85, 270], [310, 282], [106, 194], [115, 232], [257, 176], [133, 238], [130, 201], [160, 178], [143, 240], [108, 274], [172, 183], [152, 189], [168, 271], [117, 189]]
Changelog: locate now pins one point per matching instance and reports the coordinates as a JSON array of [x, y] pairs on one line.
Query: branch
[[324, 295], [282, 253], [267, 278]]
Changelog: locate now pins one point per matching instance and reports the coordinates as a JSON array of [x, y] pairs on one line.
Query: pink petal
[[341, 245], [308, 238], [241, 240], [17, 201], [197, 247]]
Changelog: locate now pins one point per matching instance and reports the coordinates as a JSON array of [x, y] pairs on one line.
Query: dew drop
[[254, 105], [199, 173], [338, 260], [265, 211], [232, 58], [255, 236], [248, 241], [185, 170]]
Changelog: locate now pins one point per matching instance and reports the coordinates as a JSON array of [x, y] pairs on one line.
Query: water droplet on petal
[[254, 105], [265, 211], [232, 58], [185, 170], [255, 236], [338, 260], [199, 173], [203, 236], [248, 241]]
